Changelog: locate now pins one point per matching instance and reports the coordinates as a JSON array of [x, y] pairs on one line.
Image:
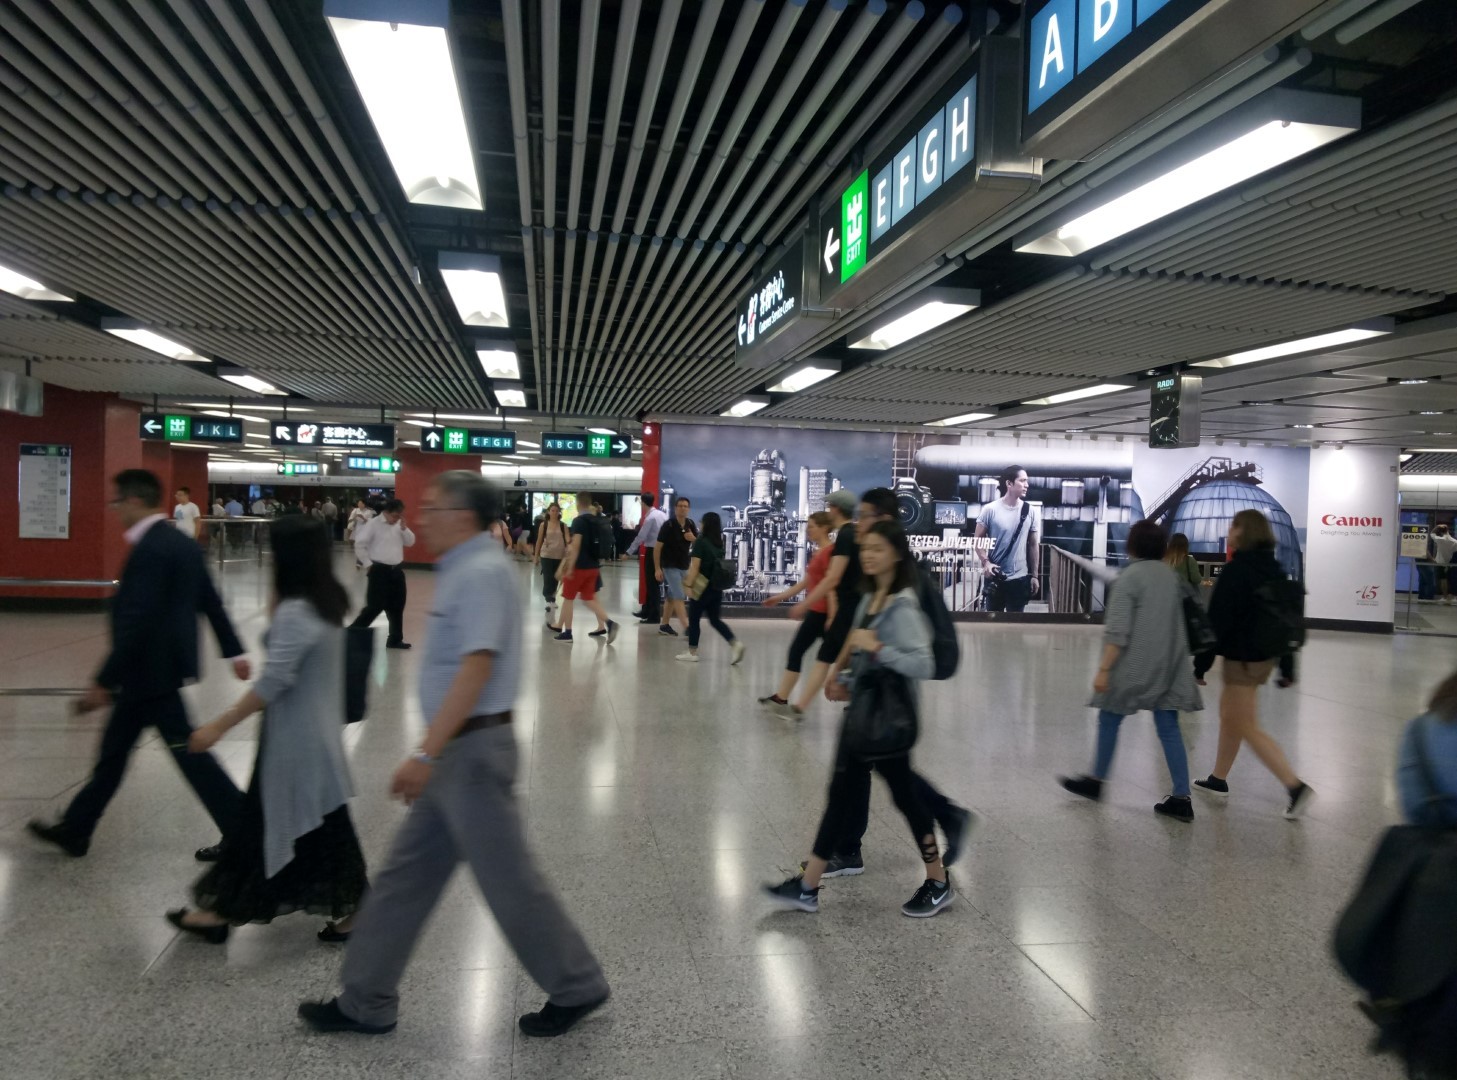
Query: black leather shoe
[[333, 934], [62, 837], [213, 935], [556, 1019], [327, 1016], [209, 854], [397, 645]]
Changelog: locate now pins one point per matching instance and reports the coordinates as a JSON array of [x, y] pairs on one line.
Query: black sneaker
[[840, 866], [956, 827], [667, 631], [1089, 787], [1300, 799], [932, 898], [792, 894], [555, 1020], [327, 1016], [1213, 786], [209, 854], [73, 845], [1178, 807], [565, 636]]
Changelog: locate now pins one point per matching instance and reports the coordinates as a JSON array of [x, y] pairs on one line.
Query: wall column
[[417, 470]]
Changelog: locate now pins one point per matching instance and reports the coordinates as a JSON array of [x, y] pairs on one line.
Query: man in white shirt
[[330, 510], [260, 507], [1015, 526], [379, 545], [186, 513], [1444, 546], [646, 541]]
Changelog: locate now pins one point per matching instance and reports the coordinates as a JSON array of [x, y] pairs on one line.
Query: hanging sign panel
[[316, 433], [298, 468], [565, 444], [372, 464], [448, 440], [769, 319], [182, 428], [1094, 69], [45, 491], [948, 173]]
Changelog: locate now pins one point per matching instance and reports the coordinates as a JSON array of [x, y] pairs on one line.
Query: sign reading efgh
[[467, 441]]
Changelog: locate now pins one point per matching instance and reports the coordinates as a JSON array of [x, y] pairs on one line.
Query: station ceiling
[[207, 167]]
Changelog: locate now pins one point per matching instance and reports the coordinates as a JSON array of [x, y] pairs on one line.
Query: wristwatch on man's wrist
[[422, 757]]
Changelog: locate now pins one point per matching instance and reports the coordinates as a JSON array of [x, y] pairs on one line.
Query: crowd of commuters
[[288, 843]]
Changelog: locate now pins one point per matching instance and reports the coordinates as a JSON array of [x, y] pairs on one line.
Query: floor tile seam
[[102, 635]]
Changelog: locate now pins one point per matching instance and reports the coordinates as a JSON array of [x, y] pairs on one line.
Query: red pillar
[[102, 433], [417, 470], [652, 470]]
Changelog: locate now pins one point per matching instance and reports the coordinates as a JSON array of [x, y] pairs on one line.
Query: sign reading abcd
[[372, 464], [337, 436], [298, 468], [180, 428], [467, 441], [560, 444]]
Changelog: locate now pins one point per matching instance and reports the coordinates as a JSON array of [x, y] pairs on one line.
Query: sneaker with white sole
[[737, 648], [687, 657], [1213, 786], [932, 898], [1301, 797], [793, 895], [840, 866]]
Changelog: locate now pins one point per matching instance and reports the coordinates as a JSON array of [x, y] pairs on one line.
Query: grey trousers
[[468, 813]]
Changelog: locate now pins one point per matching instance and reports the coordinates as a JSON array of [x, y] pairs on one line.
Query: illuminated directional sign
[[562, 444], [298, 468], [372, 464], [320, 433], [178, 428], [449, 440]]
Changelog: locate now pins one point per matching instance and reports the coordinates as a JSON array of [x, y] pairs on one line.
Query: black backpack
[[598, 539], [944, 647], [1279, 618]]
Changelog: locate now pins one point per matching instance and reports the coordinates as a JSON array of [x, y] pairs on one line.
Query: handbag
[[358, 658], [881, 720], [1197, 627]]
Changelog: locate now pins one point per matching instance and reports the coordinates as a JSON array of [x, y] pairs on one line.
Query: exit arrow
[[832, 248], [621, 447], [151, 427], [433, 439]]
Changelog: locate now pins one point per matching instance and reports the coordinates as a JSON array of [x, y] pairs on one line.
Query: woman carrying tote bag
[[887, 652]]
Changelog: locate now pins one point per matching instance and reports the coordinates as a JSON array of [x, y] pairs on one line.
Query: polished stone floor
[[1090, 942]]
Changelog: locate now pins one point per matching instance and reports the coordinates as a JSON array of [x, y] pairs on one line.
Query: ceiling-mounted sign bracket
[[1096, 69], [955, 168]]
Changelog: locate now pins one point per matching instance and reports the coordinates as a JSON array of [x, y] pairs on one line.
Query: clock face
[[1163, 417]]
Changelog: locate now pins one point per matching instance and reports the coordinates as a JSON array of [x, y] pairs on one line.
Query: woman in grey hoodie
[[890, 632]]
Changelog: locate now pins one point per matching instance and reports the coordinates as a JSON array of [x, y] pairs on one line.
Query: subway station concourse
[[1014, 276]]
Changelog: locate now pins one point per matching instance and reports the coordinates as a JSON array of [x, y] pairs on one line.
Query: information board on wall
[[45, 491], [1414, 542]]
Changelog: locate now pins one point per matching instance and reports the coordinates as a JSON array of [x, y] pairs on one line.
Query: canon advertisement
[[1021, 524]]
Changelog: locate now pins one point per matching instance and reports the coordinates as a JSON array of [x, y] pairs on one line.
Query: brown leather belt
[[479, 723]]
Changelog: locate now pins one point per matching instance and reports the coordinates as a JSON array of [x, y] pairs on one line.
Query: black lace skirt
[[325, 877]]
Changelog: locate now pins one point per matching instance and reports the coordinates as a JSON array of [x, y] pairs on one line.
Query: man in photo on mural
[[1015, 528]]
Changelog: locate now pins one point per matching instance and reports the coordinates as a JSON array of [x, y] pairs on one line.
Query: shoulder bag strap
[[999, 554]]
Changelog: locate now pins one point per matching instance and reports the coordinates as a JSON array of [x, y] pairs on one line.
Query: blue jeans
[[1166, 721]]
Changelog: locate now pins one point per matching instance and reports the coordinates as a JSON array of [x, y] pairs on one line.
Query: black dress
[[326, 875]]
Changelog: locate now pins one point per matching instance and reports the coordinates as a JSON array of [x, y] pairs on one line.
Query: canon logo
[[1352, 522]]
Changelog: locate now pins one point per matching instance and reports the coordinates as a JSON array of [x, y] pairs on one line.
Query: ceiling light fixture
[[130, 330], [602, 430], [1304, 427], [964, 418], [1412, 382], [509, 395], [532, 445], [499, 363], [747, 406], [256, 407], [17, 284], [1078, 395], [1266, 132], [806, 375], [1432, 412], [475, 286], [1359, 332], [929, 309], [235, 416], [399, 56], [253, 383]]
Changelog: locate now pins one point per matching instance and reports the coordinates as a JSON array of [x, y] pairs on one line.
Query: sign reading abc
[[1094, 69], [314, 433]]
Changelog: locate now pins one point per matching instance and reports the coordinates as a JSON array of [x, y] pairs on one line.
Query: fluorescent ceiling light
[[1412, 382], [411, 442], [919, 320], [805, 376], [468, 418], [1078, 395], [509, 395], [1374, 328], [235, 416], [602, 430], [155, 342], [533, 445], [253, 383], [964, 418], [251, 405], [1269, 131], [422, 423], [746, 406], [399, 55], [518, 419], [1404, 458], [499, 363], [475, 287], [192, 446], [17, 284]]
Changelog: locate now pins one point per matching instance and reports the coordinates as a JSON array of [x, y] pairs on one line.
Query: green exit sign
[[854, 226], [179, 427], [599, 446], [457, 440]]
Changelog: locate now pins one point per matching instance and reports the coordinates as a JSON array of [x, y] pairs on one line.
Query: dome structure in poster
[[1204, 514]]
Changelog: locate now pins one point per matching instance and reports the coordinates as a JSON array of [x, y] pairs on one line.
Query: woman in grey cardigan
[[295, 848], [1145, 665]]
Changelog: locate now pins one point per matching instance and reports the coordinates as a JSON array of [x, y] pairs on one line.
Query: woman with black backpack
[[1246, 613], [706, 561]]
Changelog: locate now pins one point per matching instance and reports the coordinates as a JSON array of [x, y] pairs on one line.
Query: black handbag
[[358, 658], [881, 720], [1198, 628]]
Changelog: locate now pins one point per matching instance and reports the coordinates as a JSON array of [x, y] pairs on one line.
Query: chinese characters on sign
[[336, 436], [45, 492]]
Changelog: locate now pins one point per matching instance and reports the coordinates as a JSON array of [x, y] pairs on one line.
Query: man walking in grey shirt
[[458, 786]]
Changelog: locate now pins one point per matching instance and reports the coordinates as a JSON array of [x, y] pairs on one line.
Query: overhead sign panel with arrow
[[326, 434], [449, 440], [566, 444], [173, 427], [770, 319]]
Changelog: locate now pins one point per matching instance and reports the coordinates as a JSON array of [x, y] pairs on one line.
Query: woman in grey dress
[[1145, 665]]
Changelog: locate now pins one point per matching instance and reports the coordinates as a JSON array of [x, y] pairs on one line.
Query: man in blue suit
[[164, 585]]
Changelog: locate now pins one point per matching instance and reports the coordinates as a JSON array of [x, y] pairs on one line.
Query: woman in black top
[[1235, 611], [705, 557]]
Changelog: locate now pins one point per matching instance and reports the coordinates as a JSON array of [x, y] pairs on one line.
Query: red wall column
[[652, 470], [417, 470], [102, 433]]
